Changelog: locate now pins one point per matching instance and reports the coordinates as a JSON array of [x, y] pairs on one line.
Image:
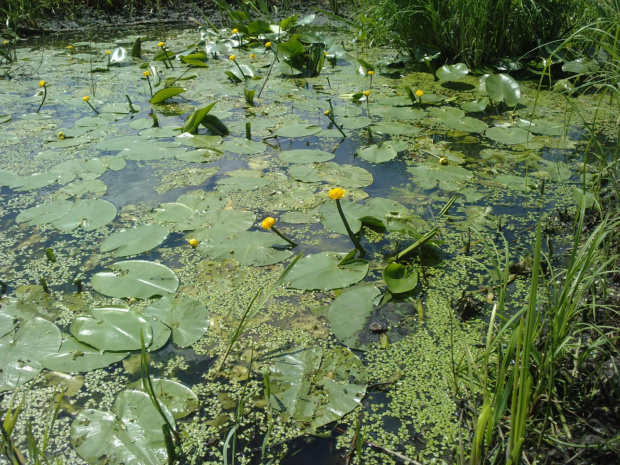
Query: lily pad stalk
[[336, 194], [269, 222]]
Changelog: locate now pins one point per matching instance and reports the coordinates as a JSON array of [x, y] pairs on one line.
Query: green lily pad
[[185, 316], [7, 178], [305, 156], [516, 183], [79, 189], [322, 271], [112, 329], [349, 314], [21, 351], [378, 154], [176, 397], [90, 214], [466, 124], [398, 279], [172, 212], [298, 130], [165, 94], [503, 88], [45, 213], [243, 146], [244, 180], [201, 155], [39, 180], [448, 73], [248, 248], [509, 136], [316, 386], [7, 324], [134, 435], [333, 174], [136, 240], [75, 357], [539, 126], [395, 128], [136, 278], [475, 105], [449, 177], [214, 223]]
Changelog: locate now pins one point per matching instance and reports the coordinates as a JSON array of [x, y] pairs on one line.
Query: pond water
[[101, 197]]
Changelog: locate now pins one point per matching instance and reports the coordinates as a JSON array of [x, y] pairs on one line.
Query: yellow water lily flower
[[61, 135], [419, 93], [326, 112], [232, 57], [70, 47], [161, 44], [268, 44], [41, 83], [366, 93], [6, 42], [108, 52], [86, 98], [325, 53], [252, 56], [193, 242], [336, 193], [443, 161], [371, 72], [268, 223], [235, 31], [146, 73]]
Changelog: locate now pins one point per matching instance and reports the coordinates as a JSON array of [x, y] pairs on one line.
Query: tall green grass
[[473, 31], [522, 374]]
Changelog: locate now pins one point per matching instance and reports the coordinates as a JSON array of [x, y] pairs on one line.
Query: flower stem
[[357, 244], [44, 96], [294, 244], [93, 108], [240, 70], [148, 79]]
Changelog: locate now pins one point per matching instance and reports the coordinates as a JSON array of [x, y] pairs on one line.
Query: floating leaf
[[378, 154], [333, 174], [112, 329], [135, 240], [185, 316], [90, 214], [305, 156], [316, 386], [323, 271], [248, 248], [75, 357], [165, 94], [298, 130], [136, 278], [7, 178], [509, 136], [349, 314], [134, 435], [398, 279], [243, 146], [176, 397], [21, 351], [45, 213], [475, 105]]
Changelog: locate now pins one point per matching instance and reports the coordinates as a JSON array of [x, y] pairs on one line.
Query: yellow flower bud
[[371, 72], [161, 44], [336, 193], [325, 53], [193, 243], [366, 93], [86, 98], [419, 93], [443, 161], [61, 135], [326, 112], [146, 73], [235, 31], [6, 42], [268, 223], [70, 47], [108, 52], [252, 56], [42, 84], [268, 44], [232, 57]]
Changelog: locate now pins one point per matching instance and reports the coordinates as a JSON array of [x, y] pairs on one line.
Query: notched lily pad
[[324, 271], [185, 316], [136, 278], [135, 240]]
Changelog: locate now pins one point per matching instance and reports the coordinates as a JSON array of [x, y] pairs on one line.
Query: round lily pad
[[349, 314], [378, 154], [249, 248], [316, 386], [306, 156], [45, 213], [176, 397], [185, 316], [298, 130], [509, 136], [135, 240], [112, 329], [134, 435], [75, 357], [323, 271], [90, 214], [21, 351], [136, 278]]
